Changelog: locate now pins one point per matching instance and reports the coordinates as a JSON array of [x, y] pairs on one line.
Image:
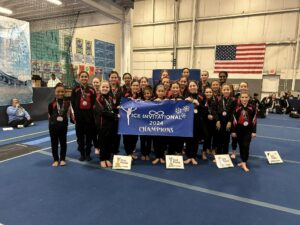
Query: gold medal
[[60, 119], [245, 123], [195, 110], [84, 103], [224, 113]]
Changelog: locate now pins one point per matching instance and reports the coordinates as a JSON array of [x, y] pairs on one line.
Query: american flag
[[240, 59]]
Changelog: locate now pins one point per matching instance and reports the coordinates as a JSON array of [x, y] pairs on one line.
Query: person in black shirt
[[192, 142], [58, 111], [244, 127], [83, 99], [105, 118], [225, 109]]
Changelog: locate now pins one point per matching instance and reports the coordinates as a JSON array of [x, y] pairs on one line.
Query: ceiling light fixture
[[56, 2], [5, 11]]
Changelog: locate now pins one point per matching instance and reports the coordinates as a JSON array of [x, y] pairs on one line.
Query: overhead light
[[56, 2], [5, 11]]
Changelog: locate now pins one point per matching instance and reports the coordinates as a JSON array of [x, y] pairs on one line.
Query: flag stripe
[[249, 49], [254, 53], [239, 67], [251, 45], [251, 58], [242, 72], [237, 63]]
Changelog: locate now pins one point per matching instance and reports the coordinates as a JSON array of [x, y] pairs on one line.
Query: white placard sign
[[174, 162], [6, 129], [223, 161], [121, 162], [273, 157]]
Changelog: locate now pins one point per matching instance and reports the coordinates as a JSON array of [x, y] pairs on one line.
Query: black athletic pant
[[95, 137], [234, 143], [146, 144], [191, 147], [84, 133], [106, 142], [215, 139], [58, 135], [160, 146], [175, 145], [23, 122], [116, 139], [223, 140], [244, 139], [208, 131], [129, 142]]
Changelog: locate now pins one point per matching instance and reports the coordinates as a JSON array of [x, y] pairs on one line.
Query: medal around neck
[[60, 119]]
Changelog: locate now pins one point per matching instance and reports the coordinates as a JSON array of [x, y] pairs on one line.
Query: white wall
[[109, 33], [244, 21]]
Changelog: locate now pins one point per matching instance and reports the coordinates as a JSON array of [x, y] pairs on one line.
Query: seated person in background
[[267, 101], [289, 95], [53, 81], [275, 107], [17, 115]]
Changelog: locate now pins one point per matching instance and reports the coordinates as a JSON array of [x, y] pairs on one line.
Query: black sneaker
[[82, 158], [88, 158]]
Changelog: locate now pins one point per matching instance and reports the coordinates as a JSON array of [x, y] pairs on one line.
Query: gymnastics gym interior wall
[[109, 33], [216, 22]]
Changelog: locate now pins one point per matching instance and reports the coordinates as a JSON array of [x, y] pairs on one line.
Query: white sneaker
[[20, 126]]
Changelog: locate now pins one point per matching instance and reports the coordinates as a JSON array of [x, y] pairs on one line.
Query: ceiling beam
[[107, 8], [45, 12]]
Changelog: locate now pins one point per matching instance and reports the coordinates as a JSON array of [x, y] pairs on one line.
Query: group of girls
[[218, 115]]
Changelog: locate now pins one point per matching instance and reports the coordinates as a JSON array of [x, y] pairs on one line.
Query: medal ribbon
[[60, 111]]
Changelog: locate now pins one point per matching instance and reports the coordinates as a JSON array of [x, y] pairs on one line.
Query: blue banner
[[165, 118]]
